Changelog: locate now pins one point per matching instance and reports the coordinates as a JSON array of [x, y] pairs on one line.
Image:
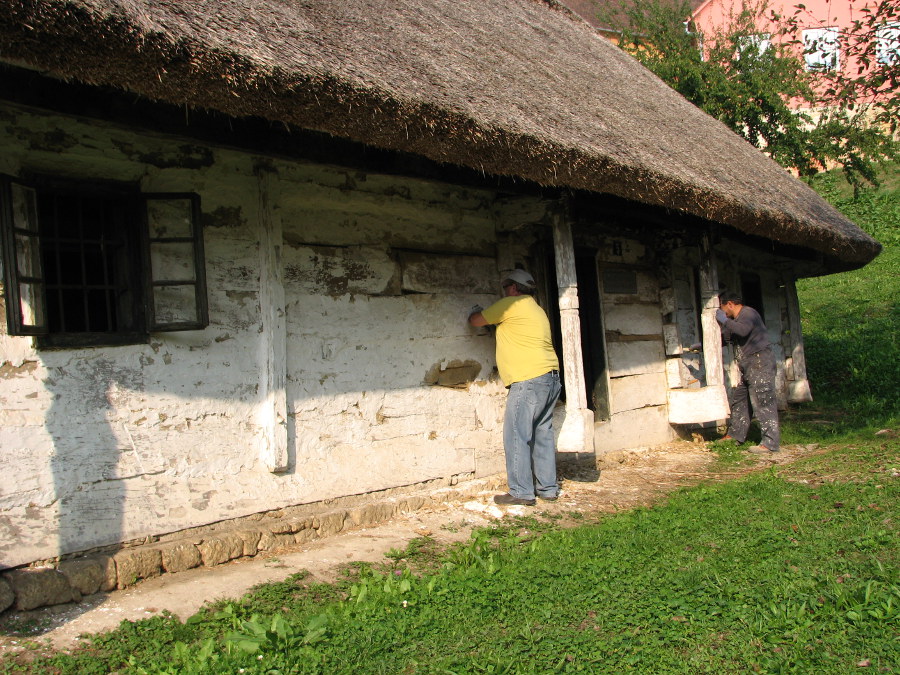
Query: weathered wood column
[[798, 384], [577, 432], [273, 357], [709, 296]]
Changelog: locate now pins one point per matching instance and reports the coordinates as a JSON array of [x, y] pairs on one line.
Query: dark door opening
[[751, 291], [593, 346]]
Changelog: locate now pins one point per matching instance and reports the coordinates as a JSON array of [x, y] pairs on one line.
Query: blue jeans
[[528, 437]]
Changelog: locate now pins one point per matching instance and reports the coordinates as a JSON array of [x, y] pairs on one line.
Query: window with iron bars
[[100, 263]]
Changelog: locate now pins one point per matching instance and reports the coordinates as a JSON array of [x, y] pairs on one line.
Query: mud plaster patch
[[456, 374], [8, 371]]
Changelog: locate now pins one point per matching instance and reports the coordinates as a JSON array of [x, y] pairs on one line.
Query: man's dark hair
[[725, 298], [523, 289]]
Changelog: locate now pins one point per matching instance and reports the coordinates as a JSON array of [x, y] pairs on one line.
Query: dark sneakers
[[508, 500]]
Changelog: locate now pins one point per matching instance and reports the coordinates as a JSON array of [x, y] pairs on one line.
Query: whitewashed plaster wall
[[387, 385], [635, 353]]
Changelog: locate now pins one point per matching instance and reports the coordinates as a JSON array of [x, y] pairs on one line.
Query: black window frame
[[23, 265]]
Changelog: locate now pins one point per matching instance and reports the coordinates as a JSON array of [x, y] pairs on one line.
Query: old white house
[[240, 242]]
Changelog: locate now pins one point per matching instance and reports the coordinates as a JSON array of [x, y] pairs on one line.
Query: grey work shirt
[[747, 332]]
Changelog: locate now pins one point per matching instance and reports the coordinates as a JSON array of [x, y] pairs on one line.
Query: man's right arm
[[477, 319]]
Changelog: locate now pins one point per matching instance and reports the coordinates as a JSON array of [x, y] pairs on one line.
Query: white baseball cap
[[521, 277]]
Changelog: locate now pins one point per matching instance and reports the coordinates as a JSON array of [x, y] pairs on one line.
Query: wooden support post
[[709, 297], [798, 388], [273, 370], [577, 432]]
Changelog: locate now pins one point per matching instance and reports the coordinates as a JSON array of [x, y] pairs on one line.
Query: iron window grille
[[100, 264]]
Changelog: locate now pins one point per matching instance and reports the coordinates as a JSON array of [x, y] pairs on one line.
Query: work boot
[[509, 500]]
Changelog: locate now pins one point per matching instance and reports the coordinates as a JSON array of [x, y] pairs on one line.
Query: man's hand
[[721, 317]]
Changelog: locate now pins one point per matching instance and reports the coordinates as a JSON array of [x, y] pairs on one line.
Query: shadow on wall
[[88, 479], [89, 488]]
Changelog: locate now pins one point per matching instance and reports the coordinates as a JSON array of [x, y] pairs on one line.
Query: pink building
[[825, 36], [832, 36]]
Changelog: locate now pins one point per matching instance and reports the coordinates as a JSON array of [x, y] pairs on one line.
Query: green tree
[[755, 83], [860, 102]]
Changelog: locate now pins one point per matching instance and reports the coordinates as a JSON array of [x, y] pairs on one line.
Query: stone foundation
[[60, 581]]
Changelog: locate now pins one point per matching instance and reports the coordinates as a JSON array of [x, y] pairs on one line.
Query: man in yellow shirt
[[530, 370]]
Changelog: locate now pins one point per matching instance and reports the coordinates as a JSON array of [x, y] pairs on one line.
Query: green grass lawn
[[850, 321], [793, 570], [779, 572]]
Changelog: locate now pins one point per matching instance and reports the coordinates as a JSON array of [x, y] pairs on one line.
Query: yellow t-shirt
[[524, 346]]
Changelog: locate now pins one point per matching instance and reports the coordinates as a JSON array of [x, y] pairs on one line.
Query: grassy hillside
[[850, 320]]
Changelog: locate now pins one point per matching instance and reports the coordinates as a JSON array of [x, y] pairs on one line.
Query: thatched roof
[[509, 87]]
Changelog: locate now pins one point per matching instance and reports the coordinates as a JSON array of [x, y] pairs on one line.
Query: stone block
[[411, 504], [370, 514], [179, 556], [282, 526], [221, 548], [330, 523], [39, 587], [110, 576], [304, 536], [266, 541], [251, 540], [7, 597], [86, 575], [286, 540], [302, 524], [134, 564], [274, 537]]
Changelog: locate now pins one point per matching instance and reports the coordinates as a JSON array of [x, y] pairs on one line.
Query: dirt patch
[[627, 480]]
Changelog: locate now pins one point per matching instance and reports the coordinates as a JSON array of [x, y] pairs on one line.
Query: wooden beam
[[273, 370], [709, 297], [798, 388], [577, 432]]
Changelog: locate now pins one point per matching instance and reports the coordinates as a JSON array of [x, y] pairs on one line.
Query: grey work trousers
[[756, 389]]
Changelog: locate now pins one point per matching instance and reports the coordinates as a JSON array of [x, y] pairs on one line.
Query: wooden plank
[[671, 339], [436, 273], [673, 374], [273, 373], [633, 319], [574, 435], [798, 388], [709, 296], [634, 358], [695, 406], [639, 391]]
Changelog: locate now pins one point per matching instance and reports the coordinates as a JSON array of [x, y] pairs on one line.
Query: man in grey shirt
[[744, 328]]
